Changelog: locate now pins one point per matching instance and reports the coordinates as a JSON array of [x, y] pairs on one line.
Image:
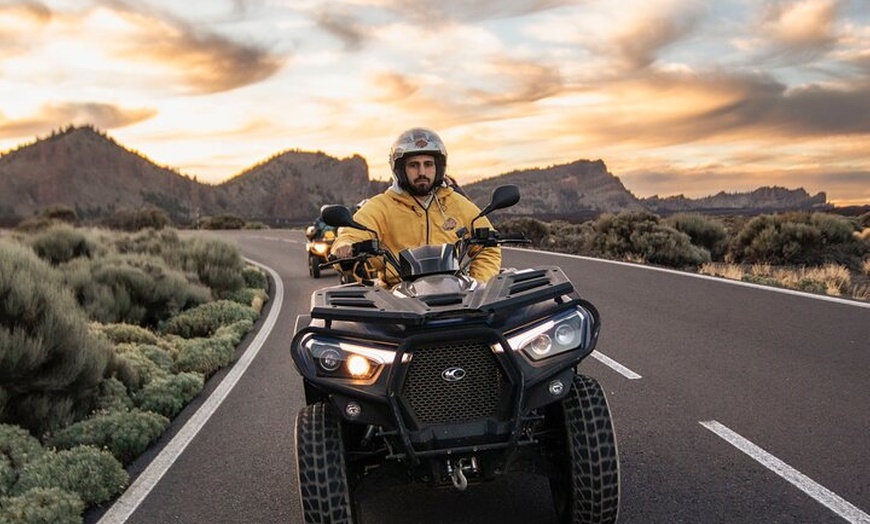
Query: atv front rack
[[509, 290]]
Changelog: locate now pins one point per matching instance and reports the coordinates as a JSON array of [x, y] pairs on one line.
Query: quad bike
[[447, 382], [318, 246]]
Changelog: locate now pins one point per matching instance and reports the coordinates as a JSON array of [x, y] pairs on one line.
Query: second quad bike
[[447, 382], [318, 245]]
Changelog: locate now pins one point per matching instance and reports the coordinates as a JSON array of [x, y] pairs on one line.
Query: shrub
[[641, 235], [530, 228], [126, 434], [204, 320], [60, 243], [94, 475], [217, 264], [145, 369], [60, 213], [113, 396], [798, 239], [50, 363], [254, 277], [221, 222], [704, 232], [164, 243], [253, 298], [132, 289], [135, 220], [205, 355], [17, 448], [121, 333], [42, 506], [168, 396]]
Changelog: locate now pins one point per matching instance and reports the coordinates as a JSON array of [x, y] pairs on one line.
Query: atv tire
[[324, 491], [588, 490], [314, 266]]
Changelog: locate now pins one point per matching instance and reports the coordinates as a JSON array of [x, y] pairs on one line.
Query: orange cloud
[[205, 61], [52, 116]]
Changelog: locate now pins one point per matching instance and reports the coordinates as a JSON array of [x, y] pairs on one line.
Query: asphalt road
[[731, 404]]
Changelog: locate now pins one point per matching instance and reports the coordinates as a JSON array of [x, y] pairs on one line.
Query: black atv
[[447, 382], [318, 243]]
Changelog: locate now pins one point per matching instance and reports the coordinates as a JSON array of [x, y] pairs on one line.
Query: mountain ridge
[[85, 169]]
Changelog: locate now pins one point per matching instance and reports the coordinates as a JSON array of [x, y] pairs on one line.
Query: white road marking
[[615, 366], [144, 483], [826, 497]]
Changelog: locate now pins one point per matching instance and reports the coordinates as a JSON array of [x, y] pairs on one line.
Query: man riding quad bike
[[451, 382], [320, 237]]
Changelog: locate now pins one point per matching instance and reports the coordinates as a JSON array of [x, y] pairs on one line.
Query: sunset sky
[[675, 96]]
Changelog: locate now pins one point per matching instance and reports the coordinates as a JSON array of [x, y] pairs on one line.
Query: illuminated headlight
[[553, 337], [336, 358], [320, 248]]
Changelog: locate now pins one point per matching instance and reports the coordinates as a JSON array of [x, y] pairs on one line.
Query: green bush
[[205, 355], [798, 239], [204, 320], [251, 297], [17, 448], [60, 213], [168, 396], [221, 222], [530, 228], [60, 243], [42, 506], [135, 220], [113, 396], [133, 289], [126, 434], [235, 332], [50, 363], [254, 277], [164, 243], [145, 369], [94, 475], [120, 333], [635, 234], [217, 264], [704, 232]]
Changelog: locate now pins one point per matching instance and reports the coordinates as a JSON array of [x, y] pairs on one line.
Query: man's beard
[[421, 190]]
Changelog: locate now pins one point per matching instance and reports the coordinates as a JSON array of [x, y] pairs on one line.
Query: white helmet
[[417, 141]]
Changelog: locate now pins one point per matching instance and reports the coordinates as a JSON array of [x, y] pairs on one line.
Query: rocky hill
[[763, 199], [292, 186], [87, 171], [84, 169], [580, 189]]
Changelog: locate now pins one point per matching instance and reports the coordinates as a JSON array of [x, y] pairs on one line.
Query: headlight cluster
[[555, 336], [321, 248], [336, 358]]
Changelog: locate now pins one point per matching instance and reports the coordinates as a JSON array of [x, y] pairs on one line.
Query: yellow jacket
[[402, 223]]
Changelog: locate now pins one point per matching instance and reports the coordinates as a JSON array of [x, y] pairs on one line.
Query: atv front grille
[[453, 382]]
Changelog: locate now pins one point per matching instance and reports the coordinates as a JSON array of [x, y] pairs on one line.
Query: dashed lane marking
[[826, 497]]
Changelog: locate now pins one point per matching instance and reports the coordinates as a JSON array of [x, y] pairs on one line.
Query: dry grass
[[831, 279]]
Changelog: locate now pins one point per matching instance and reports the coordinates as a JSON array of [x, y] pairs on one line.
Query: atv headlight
[[335, 358], [562, 333], [321, 248]]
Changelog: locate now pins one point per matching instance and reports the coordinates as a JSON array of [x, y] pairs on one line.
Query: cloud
[[17, 21], [638, 40], [52, 116], [206, 61], [343, 26], [799, 31], [461, 10]]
